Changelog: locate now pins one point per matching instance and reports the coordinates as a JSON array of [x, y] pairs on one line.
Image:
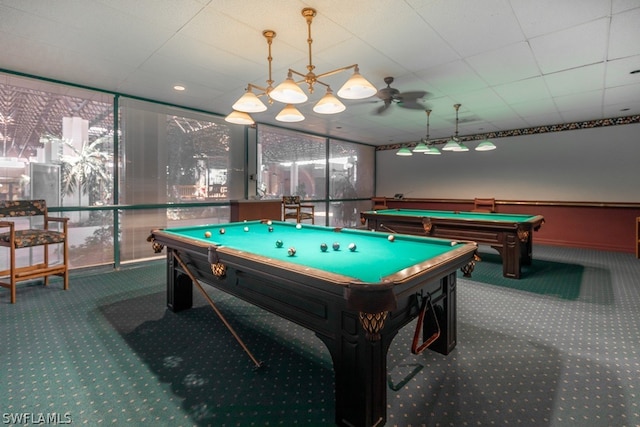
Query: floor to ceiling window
[[335, 175], [153, 165]]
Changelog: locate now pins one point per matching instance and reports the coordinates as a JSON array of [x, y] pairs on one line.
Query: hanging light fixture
[[329, 104], [404, 152], [290, 114], [486, 145], [431, 149], [453, 144], [289, 91], [239, 118]]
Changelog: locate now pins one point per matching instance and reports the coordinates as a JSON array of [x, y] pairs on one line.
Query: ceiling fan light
[[239, 118], [288, 92], [329, 104], [289, 114], [451, 145], [249, 103], [404, 152], [486, 146], [357, 87], [420, 148], [432, 151]]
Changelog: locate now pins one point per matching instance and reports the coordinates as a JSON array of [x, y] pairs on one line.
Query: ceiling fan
[[390, 95]]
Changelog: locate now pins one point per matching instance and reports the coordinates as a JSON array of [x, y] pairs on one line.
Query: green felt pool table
[[354, 300], [510, 234]]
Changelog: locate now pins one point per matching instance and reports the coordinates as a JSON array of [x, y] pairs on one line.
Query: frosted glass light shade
[[461, 148], [288, 92], [239, 118], [404, 152], [486, 146], [433, 151], [420, 148], [289, 114], [249, 103], [357, 87], [451, 145], [329, 104]]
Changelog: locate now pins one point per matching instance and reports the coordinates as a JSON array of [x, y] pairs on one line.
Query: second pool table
[[354, 300], [510, 234]]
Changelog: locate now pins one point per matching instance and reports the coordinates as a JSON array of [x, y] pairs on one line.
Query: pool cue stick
[[218, 312], [388, 229]]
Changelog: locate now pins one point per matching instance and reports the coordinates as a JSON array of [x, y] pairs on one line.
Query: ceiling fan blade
[[411, 100]]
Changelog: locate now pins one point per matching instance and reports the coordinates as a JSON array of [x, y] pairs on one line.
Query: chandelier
[[290, 93]]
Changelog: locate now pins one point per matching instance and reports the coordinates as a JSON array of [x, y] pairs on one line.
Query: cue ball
[[391, 237], [207, 234], [279, 243], [336, 246], [270, 229], [222, 231], [352, 247], [291, 251], [269, 222], [324, 247], [246, 229], [298, 226]]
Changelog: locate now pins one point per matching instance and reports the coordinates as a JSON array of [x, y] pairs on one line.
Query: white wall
[[600, 164]]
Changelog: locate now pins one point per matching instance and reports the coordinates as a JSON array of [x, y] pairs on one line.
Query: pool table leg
[[179, 287], [360, 370]]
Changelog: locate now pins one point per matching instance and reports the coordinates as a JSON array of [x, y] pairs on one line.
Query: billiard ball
[[207, 234], [222, 231], [246, 229], [298, 226], [270, 229], [279, 243], [336, 246], [352, 247], [323, 247], [391, 237], [291, 251], [269, 222]]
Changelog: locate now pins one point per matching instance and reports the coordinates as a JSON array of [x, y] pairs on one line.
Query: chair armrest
[[57, 219], [64, 221], [4, 224]]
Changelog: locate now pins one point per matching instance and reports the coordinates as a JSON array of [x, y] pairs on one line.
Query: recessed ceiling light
[[624, 109], [179, 88], [635, 72]]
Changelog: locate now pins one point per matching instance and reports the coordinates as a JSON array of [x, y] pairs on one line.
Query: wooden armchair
[[293, 209], [23, 232], [484, 205]]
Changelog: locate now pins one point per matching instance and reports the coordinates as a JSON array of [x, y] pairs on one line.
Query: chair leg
[[65, 259], [12, 279]]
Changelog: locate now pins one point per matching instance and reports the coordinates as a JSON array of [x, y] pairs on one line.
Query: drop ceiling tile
[[577, 46], [575, 80], [506, 64], [625, 34], [549, 16]]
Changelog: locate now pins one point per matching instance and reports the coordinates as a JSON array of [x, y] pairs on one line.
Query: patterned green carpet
[[560, 347]]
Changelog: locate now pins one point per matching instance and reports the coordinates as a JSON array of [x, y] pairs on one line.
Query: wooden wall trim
[[608, 226], [631, 205]]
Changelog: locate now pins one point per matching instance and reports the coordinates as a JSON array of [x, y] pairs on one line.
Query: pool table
[[510, 234], [354, 300]]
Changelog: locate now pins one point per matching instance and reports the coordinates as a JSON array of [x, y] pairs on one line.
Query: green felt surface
[[374, 258], [472, 216]]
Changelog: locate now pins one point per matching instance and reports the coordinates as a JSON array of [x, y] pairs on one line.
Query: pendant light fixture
[[290, 93], [486, 145], [453, 143], [431, 149]]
